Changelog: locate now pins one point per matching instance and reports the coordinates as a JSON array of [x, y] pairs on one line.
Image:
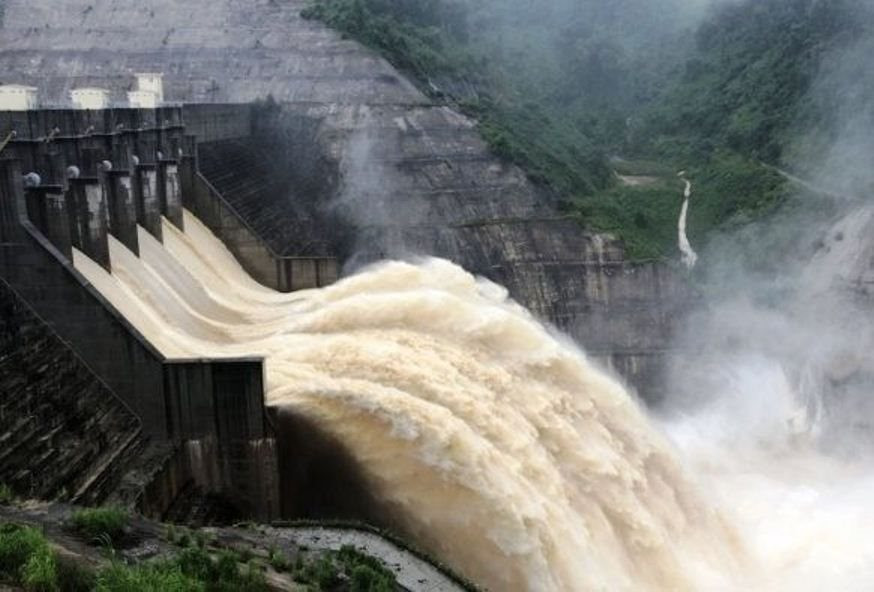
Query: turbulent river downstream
[[496, 444]]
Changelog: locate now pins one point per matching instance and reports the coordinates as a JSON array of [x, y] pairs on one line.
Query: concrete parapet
[[76, 122], [122, 209], [169, 191], [93, 220], [147, 200]]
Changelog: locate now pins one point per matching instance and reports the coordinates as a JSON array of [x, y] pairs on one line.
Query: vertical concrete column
[[122, 209], [11, 200], [93, 222], [148, 204], [70, 150], [73, 216], [58, 220], [146, 147], [35, 202], [50, 164], [188, 171], [122, 149], [169, 191], [90, 159]]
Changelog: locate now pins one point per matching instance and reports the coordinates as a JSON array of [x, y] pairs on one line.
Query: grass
[[17, 545], [73, 577], [97, 524], [39, 573], [278, 561], [28, 561], [161, 577]]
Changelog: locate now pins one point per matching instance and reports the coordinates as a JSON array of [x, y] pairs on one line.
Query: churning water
[[496, 444]]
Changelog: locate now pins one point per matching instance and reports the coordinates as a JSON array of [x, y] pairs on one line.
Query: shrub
[[278, 561], [251, 579], [226, 566], [154, 577], [322, 572], [97, 523], [196, 563], [366, 573], [39, 574], [7, 496], [364, 579], [73, 577], [17, 545]]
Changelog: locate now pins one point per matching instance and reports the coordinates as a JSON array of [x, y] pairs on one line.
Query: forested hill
[[747, 84], [578, 92]]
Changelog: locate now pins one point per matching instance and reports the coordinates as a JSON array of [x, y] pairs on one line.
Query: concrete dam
[[294, 158], [367, 166], [296, 288], [170, 379]]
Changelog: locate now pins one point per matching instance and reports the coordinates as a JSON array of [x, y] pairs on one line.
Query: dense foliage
[[747, 85], [560, 86]]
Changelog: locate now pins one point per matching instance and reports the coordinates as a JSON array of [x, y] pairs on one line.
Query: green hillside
[[577, 92]]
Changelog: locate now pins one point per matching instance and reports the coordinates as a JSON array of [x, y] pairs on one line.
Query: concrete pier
[[217, 408], [146, 147], [11, 200], [146, 197], [123, 149], [122, 209], [169, 191], [47, 210], [93, 221]]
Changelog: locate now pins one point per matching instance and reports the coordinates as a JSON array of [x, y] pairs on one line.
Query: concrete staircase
[[63, 434], [263, 196]]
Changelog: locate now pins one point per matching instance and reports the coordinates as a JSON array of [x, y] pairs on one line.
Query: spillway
[[491, 441]]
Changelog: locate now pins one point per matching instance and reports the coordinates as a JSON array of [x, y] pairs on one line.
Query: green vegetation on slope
[[557, 85], [746, 87], [196, 564]]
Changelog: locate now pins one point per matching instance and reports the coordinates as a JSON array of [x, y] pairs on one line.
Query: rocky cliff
[[373, 159]]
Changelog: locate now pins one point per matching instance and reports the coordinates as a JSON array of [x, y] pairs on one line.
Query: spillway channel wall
[[99, 174]]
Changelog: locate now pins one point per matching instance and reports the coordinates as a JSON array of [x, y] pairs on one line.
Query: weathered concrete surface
[[210, 51], [403, 175], [63, 433]]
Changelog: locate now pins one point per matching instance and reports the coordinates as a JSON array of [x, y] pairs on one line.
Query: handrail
[[9, 138]]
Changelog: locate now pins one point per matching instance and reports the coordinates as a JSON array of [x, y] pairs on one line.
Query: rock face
[[366, 155]]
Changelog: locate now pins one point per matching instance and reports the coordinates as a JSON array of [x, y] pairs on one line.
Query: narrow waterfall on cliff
[[493, 442], [689, 256]]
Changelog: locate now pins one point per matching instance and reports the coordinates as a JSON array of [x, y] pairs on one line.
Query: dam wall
[[372, 158], [63, 433], [211, 412]]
